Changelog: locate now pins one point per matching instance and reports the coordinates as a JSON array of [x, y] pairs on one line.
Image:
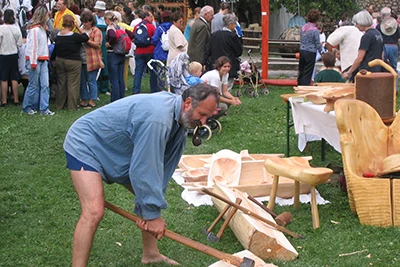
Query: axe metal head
[[211, 237], [247, 262], [204, 231]]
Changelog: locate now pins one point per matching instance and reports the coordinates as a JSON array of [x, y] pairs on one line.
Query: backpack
[[124, 43], [142, 38], [164, 40]]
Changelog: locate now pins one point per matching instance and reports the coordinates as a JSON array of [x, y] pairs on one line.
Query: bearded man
[[137, 142]]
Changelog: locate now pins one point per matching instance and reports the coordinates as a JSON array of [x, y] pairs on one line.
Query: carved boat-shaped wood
[[254, 179]]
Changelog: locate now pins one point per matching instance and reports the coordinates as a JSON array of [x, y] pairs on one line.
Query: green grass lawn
[[39, 207]]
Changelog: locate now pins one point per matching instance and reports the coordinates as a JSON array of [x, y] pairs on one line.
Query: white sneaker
[[30, 112], [47, 113], [107, 93]]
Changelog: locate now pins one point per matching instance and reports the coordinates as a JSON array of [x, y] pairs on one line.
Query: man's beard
[[187, 121]]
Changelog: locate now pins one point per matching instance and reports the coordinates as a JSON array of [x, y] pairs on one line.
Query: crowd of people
[[137, 141], [77, 51], [367, 36]]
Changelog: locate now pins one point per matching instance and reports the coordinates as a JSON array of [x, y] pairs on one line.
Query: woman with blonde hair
[[91, 61], [68, 63], [37, 93], [116, 62]]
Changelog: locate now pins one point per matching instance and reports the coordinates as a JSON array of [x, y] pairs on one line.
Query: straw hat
[[100, 5], [389, 26]]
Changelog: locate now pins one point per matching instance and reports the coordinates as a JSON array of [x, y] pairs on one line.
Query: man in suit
[[200, 35]]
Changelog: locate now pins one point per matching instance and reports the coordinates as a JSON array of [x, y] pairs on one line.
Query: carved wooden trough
[[245, 172]]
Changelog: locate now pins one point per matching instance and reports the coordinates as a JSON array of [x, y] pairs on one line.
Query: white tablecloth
[[312, 123]]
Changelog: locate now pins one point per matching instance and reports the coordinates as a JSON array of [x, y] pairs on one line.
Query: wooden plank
[[251, 39], [261, 239], [251, 47]]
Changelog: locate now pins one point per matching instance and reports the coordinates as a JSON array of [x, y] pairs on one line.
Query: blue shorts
[[76, 165]]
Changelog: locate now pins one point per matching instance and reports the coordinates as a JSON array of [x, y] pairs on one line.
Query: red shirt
[[151, 30]]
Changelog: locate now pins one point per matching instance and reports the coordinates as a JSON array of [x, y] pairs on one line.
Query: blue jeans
[[116, 65], [88, 81], [37, 93], [141, 66], [391, 54]]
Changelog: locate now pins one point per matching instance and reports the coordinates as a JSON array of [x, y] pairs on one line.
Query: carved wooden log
[[259, 238]]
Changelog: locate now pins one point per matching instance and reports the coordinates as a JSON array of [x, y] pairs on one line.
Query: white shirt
[[10, 39], [213, 79], [348, 37], [135, 22], [177, 43]]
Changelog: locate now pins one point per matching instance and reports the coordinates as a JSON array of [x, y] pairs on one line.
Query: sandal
[[89, 106]]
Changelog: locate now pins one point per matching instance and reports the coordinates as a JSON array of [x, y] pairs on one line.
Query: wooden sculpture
[[299, 170], [332, 96], [261, 239], [196, 175], [389, 164], [256, 181], [366, 142], [225, 168]]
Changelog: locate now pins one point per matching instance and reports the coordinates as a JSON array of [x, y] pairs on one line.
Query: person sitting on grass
[[139, 148], [219, 79], [329, 74], [195, 70]]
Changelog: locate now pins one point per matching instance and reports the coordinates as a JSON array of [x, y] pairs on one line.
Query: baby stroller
[[161, 72], [177, 72], [250, 75]]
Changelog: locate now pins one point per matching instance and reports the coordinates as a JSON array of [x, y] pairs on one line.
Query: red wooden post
[[265, 37]]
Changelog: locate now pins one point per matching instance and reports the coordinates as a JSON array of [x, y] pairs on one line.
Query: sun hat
[[389, 26], [100, 5]]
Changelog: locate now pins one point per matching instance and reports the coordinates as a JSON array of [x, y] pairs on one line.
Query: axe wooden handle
[[221, 214], [273, 214], [181, 239], [230, 215], [252, 214]]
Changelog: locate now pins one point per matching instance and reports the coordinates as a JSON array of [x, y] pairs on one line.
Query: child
[[195, 70], [329, 74]]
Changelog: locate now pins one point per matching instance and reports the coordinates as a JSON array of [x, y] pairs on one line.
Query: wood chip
[[353, 253]]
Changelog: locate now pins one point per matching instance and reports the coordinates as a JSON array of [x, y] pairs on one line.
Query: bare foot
[[158, 258]]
